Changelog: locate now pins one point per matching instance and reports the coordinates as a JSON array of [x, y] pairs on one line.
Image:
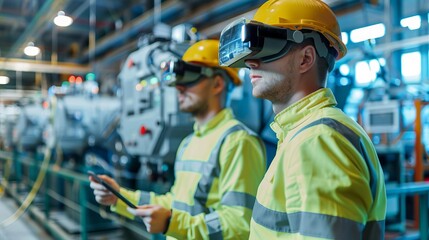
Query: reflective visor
[[179, 72], [243, 39], [233, 44]]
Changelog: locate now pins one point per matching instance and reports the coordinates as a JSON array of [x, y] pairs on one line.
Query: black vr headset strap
[[321, 48]]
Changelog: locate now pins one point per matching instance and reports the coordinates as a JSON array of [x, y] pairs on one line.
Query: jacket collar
[[292, 116], [220, 118]]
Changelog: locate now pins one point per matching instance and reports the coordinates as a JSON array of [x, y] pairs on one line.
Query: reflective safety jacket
[[217, 172], [325, 181]]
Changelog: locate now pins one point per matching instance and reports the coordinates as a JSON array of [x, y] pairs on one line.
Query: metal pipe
[[24, 65], [92, 21], [175, 8], [157, 11], [418, 155]]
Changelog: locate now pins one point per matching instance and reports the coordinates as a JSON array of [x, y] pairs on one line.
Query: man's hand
[[102, 195], [156, 218]]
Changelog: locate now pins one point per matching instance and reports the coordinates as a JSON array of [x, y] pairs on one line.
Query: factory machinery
[[151, 124], [397, 121], [8, 117], [76, 131]]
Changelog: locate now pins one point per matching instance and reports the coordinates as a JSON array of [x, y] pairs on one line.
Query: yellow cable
[[5, 181], [32, 194]]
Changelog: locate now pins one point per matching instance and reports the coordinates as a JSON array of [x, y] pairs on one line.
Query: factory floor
[[23, 228], [30, 225], [27, 228]]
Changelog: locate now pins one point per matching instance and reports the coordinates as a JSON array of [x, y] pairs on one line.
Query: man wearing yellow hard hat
[[325, 181], [218, 168]]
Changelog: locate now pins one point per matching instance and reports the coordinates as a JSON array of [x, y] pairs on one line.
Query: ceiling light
[[62, 20], [4, 80], [412, 23], [31, 50], [368, 32]]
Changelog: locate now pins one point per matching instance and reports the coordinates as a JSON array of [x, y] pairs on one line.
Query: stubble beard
[[270, 86], [197, 108]]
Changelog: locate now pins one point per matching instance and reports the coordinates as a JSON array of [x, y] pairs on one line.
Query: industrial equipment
[[392, 160], [83, 133], [151, 124], [82, 120], [382, 116], [29, 128], [8, 118], [390, 113]]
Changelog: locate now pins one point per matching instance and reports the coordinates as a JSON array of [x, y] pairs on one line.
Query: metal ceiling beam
[[356, 54], [23, 65], [130, 30], [12, 19], [43, 16], [217, 28], [219, 11], [146, 21]]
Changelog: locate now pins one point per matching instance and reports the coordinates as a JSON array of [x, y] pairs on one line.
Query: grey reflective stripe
[[192, 210], [238, 199], [355, 140], [374, 230], [307, 224], [144, 198], [372, 174], [213, 225], [186, 142], [189, 166], [211, 168]]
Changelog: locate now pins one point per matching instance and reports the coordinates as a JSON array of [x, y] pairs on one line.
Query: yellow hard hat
[[303, 14], [205, 52]]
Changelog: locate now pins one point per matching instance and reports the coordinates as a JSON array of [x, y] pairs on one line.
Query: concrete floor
[[24, 228]]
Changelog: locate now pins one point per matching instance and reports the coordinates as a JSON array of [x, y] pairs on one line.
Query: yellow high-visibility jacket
[[217, 172], [325, 181]]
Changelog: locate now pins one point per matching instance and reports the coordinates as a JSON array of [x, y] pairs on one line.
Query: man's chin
[[257, 94], [185, 109]]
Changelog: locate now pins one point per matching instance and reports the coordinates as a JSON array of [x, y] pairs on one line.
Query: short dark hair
[[322, 63]]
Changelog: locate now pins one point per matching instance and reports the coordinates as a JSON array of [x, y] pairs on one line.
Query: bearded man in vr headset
[[325, 181], [218, 168]]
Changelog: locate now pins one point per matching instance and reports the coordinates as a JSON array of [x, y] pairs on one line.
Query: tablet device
[[110, 188]]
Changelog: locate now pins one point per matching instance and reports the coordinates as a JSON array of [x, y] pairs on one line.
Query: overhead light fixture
[[31, 50], [62, 20], [4, 80], [368, 32]]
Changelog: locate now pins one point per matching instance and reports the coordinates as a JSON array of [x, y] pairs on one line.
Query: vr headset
[[243, 39], [179, 72]]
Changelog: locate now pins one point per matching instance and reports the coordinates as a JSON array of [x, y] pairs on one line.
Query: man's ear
[[307, 58], [218, 84]]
